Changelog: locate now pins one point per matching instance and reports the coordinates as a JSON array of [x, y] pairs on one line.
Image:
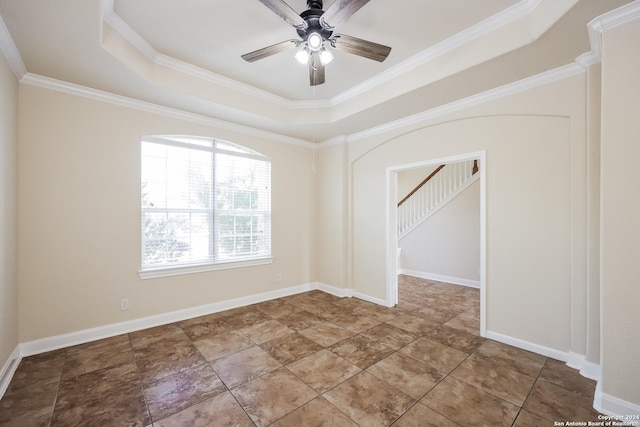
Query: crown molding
[[138, 42], [123, 101], [509, 15], [605, 22], [471, 101], [466, 36], [8, 47], [595, 29]]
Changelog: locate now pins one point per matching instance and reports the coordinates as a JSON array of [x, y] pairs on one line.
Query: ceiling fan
[[315, 27]]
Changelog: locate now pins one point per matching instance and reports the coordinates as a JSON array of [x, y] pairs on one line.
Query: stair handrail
[[424, 181]]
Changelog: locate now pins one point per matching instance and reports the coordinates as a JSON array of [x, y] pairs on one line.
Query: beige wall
[[8, 211], [593, 213], [79, 207], [528, 217], [448, 242], [620, 198], [331, 231], [525, 135]]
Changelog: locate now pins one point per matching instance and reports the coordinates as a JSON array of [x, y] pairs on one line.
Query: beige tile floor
[[307, 360]]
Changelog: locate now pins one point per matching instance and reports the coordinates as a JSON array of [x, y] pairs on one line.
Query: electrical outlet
[[279, 277], [124, 304]]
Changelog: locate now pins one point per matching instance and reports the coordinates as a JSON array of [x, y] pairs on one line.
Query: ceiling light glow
[[302, 55], [314, 41], [325, 56]]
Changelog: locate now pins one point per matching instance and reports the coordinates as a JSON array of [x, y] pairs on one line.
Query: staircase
[[433, 192]]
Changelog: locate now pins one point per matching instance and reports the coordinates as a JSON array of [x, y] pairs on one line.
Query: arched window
[[206, 204]]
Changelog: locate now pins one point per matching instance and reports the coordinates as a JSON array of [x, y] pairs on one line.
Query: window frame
[[211, 264]]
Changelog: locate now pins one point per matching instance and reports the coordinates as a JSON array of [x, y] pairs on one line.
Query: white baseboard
[[334, 290], [529, 346], [614, 406], [602, 402], [587, 369], [9, 368], [369, 298], [87, 335], [440, 278], [348, 293]]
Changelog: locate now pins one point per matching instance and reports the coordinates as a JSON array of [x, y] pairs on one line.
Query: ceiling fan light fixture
[[325, 56], [302, 55], [314, 41]]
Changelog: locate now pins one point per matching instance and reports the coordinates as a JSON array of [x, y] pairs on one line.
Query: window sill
[[153, 273]]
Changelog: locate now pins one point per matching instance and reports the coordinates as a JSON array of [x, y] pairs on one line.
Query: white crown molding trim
[[528, 83], [138, 42], [615, 407], [466, 36], [499, 20], [442, 278], [123, 101], [616, 17], [603, 23], [8, 47], [8, 369], [87, 335]]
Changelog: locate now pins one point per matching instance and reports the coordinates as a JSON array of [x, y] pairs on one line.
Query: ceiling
[[186, 55]]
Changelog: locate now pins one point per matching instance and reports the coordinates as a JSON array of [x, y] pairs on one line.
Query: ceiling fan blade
[[360, 47], [316, 70], [269, 50], [339, 11], [286, 12]]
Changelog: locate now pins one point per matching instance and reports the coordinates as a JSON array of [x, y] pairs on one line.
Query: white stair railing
[[433, 193]]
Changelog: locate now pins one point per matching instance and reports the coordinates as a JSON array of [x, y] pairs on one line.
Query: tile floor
[[306, 360]]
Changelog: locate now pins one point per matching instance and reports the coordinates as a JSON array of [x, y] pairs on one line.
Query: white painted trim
[[573, 360], [591, 370], [87, 335], [538, 80], [334, 290], [440, 278], [614, 406], [440, 205], [154, 273], [141, 45], [123, 101], [8, 47], [487, 26], [43, 345], [505, 17], [371, 299], [529, 346], [587, 369], [8, 369]]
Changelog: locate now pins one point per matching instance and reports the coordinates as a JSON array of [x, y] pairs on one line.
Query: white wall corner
[[615, 407], [8, 369]]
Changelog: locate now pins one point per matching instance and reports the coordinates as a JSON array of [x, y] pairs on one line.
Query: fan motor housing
[[312, 18]]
